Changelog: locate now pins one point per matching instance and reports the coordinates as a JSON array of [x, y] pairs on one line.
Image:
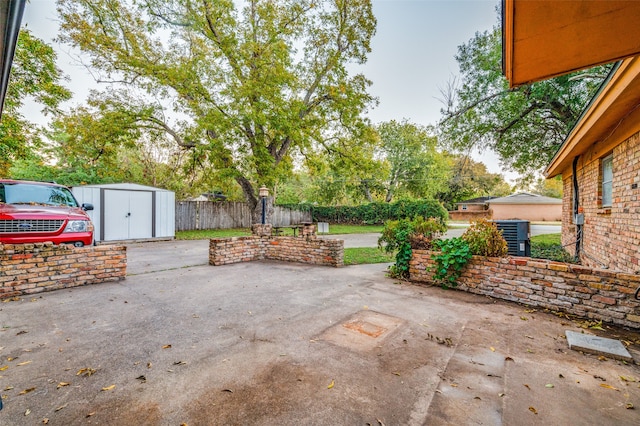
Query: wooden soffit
[[612, 117], [546, 38]]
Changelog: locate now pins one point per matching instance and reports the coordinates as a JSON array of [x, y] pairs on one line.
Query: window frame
[[606, 182]]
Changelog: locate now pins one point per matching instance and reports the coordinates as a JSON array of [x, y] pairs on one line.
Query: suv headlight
[[78, 226]]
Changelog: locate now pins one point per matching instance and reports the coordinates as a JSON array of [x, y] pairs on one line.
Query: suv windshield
[[29, 193]]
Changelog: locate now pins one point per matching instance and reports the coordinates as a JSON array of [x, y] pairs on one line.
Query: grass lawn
[[549, 246], [205, 234], [363, 255]]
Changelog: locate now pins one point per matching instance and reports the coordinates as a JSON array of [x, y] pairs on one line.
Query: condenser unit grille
[[516, 233]]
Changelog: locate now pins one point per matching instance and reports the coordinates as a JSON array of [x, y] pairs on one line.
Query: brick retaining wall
[[34, 268], [317, 251], [599, 294]]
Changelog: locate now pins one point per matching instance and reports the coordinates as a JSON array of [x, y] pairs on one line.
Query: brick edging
[[317, 251], [594, 293]]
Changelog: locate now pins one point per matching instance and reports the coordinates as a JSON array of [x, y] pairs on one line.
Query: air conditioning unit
[[517, 235]]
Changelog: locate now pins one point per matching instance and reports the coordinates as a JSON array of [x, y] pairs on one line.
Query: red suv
[[33, 212]]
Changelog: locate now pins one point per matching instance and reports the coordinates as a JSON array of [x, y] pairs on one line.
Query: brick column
[[261, 230]]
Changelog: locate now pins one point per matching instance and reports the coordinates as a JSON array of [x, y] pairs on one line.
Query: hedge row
[[373, 213]]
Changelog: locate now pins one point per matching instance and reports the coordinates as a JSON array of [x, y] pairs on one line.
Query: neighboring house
[[526, 206], [474, 204], [600, 159]]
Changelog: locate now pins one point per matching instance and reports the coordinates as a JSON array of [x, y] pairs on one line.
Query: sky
[[412, 57]]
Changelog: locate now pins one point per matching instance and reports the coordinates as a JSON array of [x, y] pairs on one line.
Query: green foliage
[[470, 179], [402, 235], [254, 83], [413, 164], [453, 256], [396, 237], [485, 239], [34, 76], [378, 213], [425, 231], [524, 125], [549, 246]]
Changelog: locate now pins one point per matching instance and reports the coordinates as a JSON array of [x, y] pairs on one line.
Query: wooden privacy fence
[[192, 215]]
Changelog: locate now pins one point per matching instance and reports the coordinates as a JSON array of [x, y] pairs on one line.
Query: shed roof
[[525, 198], [125, 186]]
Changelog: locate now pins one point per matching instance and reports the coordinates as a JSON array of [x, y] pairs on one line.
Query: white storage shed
[[128, 211]]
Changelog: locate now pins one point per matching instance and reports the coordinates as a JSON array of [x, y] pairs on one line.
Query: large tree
[[524, 126], [246, 88], [34, 76], [414, 165]]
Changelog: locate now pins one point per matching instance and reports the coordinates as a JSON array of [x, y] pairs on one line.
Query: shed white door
[[128, 215]]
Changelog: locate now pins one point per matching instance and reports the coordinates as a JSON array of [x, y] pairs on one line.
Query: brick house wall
[[317, 251], [34, 268], [598, 294], [611, 236]]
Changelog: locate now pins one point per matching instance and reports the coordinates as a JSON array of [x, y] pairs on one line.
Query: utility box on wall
[[129, 212], [517, 235]]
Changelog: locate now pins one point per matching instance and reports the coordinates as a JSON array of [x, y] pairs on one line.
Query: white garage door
[[128, 215]]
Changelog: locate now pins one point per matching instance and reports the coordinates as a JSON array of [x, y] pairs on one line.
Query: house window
[[464, 207], [607, 180]]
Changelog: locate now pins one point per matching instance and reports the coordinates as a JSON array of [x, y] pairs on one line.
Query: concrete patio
[[274, 343]]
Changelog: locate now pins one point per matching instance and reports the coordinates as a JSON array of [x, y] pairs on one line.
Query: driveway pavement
[[273, 343]]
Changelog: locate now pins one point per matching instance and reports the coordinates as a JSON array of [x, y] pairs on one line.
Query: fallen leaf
[[380, 422], [90, 414], [477, 397], [508, 358], [523, 318], [24, 363], [500, 395], [331, 384], [4, 367], [533, 410], [45, 421], [549, 385], [10, 358], [8, 388], [627, 379], [26, 391], [454, 385], [149, 365], [62, 384], [227, 390], [629, 406], [179, 363], [602, 358], [166, 347], [599, 378], [561, 376], [86, 372], [606, 386], [527, 386], [61, 407], [26, 413], [21, 332], [492, 349], [108, 388], [396, 373], [528, 337], [143, 379]]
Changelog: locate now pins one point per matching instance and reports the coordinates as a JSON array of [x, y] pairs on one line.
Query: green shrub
[[395, 236], [485, 239], [453, 256], [425, 231], [403, 235], [373, 213]]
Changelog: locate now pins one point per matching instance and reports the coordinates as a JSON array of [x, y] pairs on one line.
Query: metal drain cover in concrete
[[597, 345], [364, 330]]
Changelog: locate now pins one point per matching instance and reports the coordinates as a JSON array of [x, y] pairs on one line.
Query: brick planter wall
[[34, 268], [599, 294], [316, 251]]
